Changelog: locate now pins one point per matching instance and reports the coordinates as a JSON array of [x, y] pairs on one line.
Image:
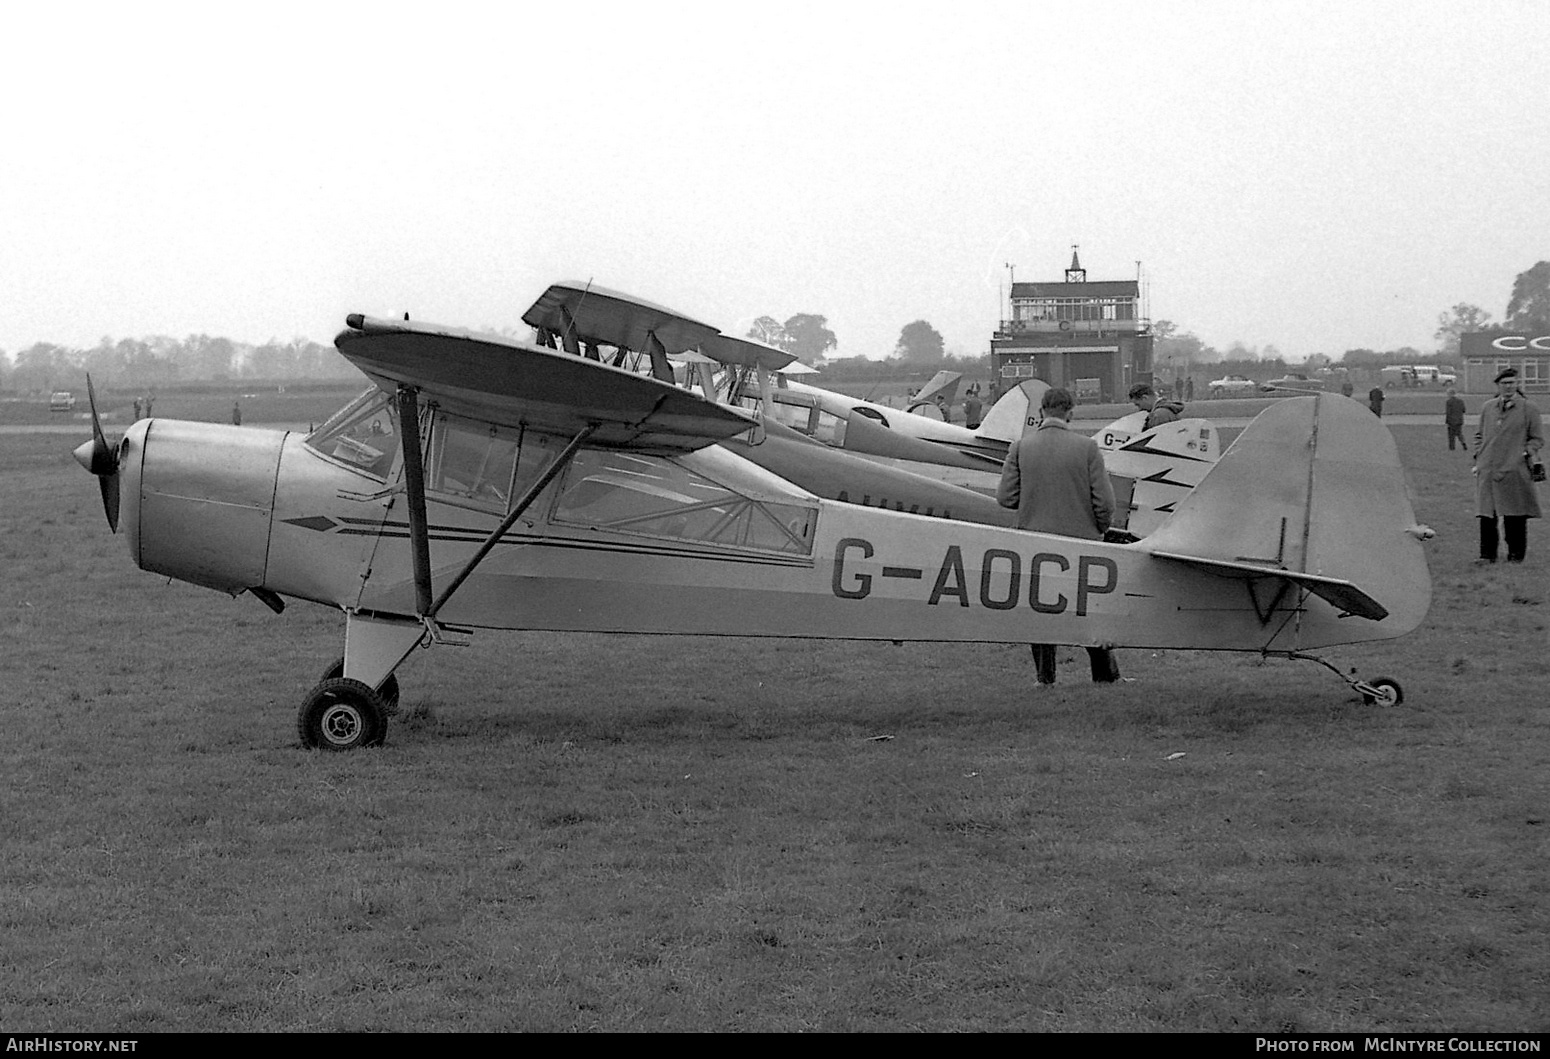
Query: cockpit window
[[363, 434], [471, 460], [658, 497]]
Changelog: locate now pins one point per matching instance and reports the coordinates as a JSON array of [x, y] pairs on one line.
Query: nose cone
[[83, 453]]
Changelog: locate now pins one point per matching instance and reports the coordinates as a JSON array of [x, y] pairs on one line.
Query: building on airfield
[[1487, 354], [1090, 337]]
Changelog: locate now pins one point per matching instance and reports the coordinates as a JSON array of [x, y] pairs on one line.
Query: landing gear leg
[[349, 708], [1379, 691]]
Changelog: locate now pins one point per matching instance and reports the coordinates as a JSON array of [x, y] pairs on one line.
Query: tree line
[[140, 363], [161, 360]]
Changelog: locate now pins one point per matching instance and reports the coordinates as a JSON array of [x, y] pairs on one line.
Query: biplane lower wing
[[514, 383]]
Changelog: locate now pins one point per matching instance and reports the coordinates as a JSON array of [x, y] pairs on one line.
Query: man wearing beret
[[1507, 464]]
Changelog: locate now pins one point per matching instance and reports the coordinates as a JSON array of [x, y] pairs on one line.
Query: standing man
[[1375, 401], [1453, 416], [1056, 482], [236, 414], [1507, 464], [971, 410], [1157, 410]]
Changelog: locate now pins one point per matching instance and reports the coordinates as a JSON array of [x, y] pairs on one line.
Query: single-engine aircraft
[[485, 482]]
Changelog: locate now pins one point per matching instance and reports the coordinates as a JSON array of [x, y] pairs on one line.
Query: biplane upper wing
[[745, 353], [575, 310], [515, 383]]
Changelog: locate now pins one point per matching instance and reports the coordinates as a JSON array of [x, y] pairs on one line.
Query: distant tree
[[768, 330], [208, 358], [1163, 330], [272, 360], [1529, 308], [808, 336], [1361, 358], [1462, 318], [42, 366], [919, 342]]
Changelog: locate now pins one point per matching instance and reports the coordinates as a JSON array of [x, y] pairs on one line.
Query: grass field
[[581, 832]]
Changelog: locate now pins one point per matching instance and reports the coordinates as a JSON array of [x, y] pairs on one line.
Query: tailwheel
[[388, 691], [341, 714], [1381, 691]]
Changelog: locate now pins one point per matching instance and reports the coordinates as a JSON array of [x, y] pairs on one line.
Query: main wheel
[[1389, 693], [341, 714], [388, 692]]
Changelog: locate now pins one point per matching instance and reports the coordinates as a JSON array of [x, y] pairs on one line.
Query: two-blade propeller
[[101, 459]]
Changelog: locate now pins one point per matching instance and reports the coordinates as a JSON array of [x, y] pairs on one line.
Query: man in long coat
[[1507, 463], [1056, 481]]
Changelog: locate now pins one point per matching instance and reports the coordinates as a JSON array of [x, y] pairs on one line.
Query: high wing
[[514, 383]]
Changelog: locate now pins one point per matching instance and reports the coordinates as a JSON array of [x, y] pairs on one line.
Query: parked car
[[61, 401], [1293, 381], [1430, 375], [1232, 386]]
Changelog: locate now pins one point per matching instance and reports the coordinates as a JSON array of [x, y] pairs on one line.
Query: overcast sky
[[1316, 176]]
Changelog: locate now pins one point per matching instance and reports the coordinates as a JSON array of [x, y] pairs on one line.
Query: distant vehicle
[[1231, 385], [61, 401], [1293, 381], [1431, 375], [1408, 376]]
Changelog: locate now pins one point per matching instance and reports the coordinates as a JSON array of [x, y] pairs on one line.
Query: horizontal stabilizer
[[1343, 595]]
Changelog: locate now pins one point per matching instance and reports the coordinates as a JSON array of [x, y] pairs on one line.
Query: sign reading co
[[1520, 343]]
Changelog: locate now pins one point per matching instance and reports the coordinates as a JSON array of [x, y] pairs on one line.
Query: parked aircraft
[[488, 483]]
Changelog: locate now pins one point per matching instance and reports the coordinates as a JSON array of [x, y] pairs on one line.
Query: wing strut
[[414, 479], [419, 534]]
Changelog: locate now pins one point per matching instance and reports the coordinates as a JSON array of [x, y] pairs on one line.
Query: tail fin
[[1016, 411], [1312, 492]]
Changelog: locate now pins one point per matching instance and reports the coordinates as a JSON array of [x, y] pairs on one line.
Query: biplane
[[1151, 470], [488, 483]]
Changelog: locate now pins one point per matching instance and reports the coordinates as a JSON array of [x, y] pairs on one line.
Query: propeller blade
[[109, 485], [101, 459], [104, 459]]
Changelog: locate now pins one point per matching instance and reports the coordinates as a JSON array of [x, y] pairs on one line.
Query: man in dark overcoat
[[1453, 418], [1055, 479], [1507, 464]]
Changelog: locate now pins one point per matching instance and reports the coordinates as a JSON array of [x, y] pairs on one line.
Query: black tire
[[388, 692], [341, 714], [1394, 694]]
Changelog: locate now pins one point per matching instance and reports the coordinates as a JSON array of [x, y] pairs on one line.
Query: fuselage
[[704, 543]]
